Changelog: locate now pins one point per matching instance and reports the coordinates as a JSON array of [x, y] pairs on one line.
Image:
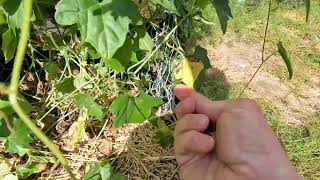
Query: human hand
[[242, 147]]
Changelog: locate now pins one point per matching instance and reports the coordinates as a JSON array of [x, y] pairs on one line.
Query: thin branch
[[263, 60], [14, 86], [266, 31]]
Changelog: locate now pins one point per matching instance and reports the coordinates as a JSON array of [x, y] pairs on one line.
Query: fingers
[[197, 122], [186, 106], [193, 102], [193, 142]]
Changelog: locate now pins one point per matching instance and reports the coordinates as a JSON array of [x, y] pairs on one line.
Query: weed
[[302, 143]]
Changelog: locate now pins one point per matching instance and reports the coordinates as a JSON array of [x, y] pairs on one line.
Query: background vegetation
[[84, 81]]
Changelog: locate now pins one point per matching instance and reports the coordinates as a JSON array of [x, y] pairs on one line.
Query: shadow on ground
[[215, 86]]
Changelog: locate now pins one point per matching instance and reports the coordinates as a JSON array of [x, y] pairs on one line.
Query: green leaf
[[70, 12], [2, 17], [123, 58], [26, 170], [224, 12], [85, 101], [52, 69], [201, 54], [82, 83], [114, 64], [108, 21], [91, 51], [144, 40], [15, 19], [25, 105], [308, 6], [201, 4], [4, 132], [130, 109], [102, 171], [165, 136], [11, 6], [167, 4], [6, 110], [9, 44], [66, 85], [284, 55], [19, 140], [5, 106]]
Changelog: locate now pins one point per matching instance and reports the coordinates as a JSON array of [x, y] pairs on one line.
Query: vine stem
[[167, 37], [14, 85], [263, 60]]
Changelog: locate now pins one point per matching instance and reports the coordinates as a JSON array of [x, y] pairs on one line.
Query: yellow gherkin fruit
[[188, 71]]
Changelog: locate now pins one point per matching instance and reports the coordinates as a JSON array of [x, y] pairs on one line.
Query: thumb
[[202, 105]]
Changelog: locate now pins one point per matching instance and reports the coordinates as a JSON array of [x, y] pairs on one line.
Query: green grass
[[287, 24], [301, 143], [301, 40]]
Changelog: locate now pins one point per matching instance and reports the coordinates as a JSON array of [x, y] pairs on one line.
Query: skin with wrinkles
[[242, 147]]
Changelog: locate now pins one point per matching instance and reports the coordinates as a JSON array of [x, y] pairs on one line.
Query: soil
[[238, 60]]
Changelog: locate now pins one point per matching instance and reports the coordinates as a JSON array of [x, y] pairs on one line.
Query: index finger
[[200, 104]]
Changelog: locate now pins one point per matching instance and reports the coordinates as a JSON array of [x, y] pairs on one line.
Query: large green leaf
[[108, 21], [224, 12], [85, 101], [130, 109], [9, 44], [18, 141], [70, 12], [284, 55]]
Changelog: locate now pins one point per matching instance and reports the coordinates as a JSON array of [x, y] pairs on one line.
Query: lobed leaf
[[130, 109], [108, 21]]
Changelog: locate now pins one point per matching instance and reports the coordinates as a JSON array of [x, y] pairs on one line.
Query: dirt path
[[239, 60]]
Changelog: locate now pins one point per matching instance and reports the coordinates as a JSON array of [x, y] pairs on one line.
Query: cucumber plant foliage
[[106, 39]]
